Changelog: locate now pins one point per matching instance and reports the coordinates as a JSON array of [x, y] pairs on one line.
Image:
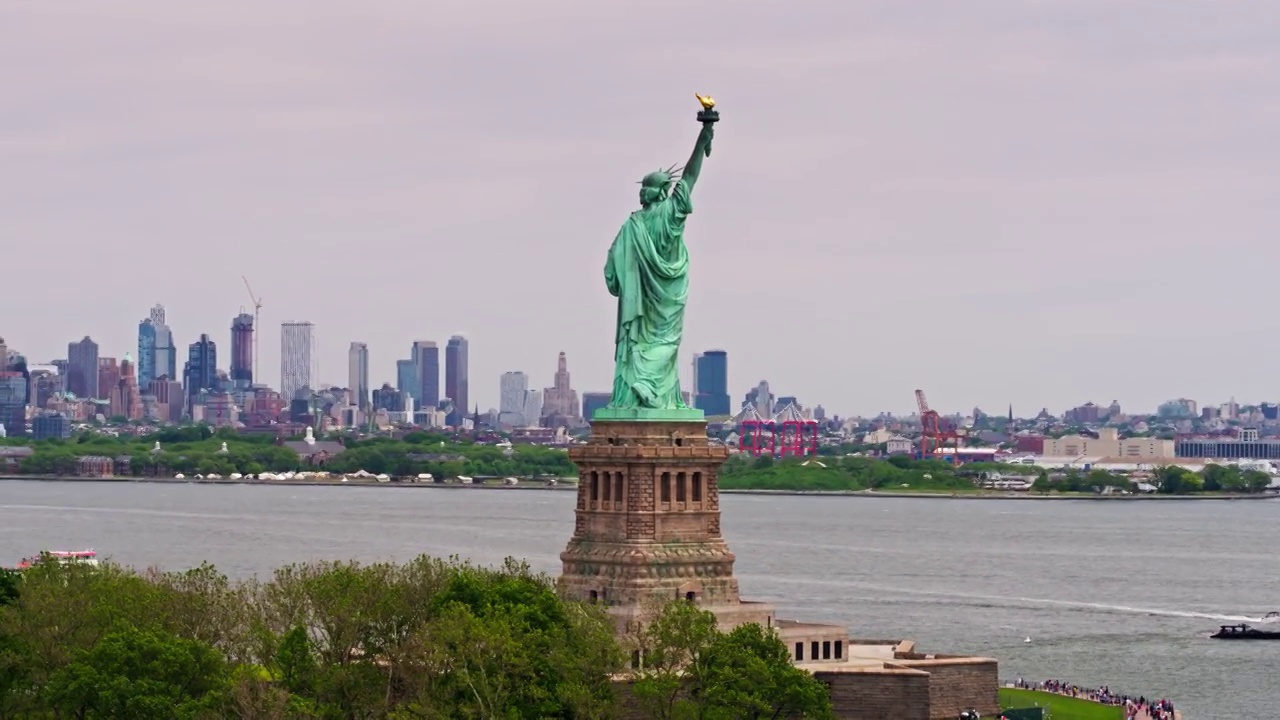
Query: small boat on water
[[85, 557], [1244, 632]]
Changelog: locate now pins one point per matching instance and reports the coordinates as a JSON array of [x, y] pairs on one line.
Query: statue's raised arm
[[702, 147]]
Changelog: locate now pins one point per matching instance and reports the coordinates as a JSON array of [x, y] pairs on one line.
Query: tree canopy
[[341, 640], [689, 669]]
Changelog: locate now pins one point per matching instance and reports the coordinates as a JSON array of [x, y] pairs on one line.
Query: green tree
[[64, 609], [1212, 476], [690, 670], [670, 650], [1170, 479], [202, 604], [1099, 479], [9, 580], [295, 661], [14, 675], [902, 462], [345, 641], [1255, 480], [1191, 482], [748, 675], [133, 674], [519, 650]]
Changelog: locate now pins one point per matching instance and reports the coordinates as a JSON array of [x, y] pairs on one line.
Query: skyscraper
[[518, 406], [561, 399], [593, 401], [125, 397], [408, 379], [108, 376], [711, 382], [82, 368], [146, 352], [166, 353], [455, 378], [201, 372], [697, 360], [511, 391], [13, 404], [44, 383], [358, 374], [242, 330], [297, 357], [426, 357]]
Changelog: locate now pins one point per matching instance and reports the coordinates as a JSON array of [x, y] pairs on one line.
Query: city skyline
[[1001, 203], [357, 377]]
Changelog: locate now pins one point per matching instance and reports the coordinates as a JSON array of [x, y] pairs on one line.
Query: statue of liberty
[[648, 271]]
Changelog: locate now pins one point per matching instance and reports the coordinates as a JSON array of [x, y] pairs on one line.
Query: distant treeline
[[901, 472], [197, 449]]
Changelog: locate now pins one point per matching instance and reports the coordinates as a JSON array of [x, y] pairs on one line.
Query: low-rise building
[[315, 453], [11, 457], [51, 426], [1109, 444], [898, 445], [1246, 446], [95, 466]]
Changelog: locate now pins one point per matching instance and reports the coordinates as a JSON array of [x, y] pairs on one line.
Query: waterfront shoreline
[[564, 484], [995, 495], [308, 482]]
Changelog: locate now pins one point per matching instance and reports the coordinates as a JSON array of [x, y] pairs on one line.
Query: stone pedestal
[[648, 522]]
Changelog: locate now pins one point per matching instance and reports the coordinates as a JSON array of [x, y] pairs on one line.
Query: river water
[[1121, 593]]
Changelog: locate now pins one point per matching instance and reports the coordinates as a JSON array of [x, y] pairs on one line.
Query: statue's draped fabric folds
[[648, 271]]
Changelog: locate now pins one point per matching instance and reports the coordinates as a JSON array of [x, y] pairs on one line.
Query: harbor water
[[1116, 593]]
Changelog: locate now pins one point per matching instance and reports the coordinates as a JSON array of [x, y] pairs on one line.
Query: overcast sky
[[998, 201]]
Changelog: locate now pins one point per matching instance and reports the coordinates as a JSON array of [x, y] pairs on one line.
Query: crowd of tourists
[[1135, 708]]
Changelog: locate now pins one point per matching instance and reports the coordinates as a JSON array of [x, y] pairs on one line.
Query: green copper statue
[[648, 271]]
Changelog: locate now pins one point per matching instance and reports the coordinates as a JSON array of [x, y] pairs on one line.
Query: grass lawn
[[1058, 707]]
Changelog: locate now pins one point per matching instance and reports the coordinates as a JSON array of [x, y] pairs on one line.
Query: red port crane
[[934, 431]]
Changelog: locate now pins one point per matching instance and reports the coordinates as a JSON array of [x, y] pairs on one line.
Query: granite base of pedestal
[[648, 519]]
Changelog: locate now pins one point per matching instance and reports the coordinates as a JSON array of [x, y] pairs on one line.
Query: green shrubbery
[[427, 639], [847, 473]]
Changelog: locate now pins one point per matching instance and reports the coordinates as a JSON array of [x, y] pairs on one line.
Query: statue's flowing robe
[[648, 271]]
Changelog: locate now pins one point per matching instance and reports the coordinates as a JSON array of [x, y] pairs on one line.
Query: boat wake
[[1016, 601], [1158, 612]]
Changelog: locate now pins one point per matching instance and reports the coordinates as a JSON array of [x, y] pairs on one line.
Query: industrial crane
[[257, 328], [934, 431]]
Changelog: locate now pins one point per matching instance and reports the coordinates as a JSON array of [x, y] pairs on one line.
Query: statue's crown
[[661, 178]]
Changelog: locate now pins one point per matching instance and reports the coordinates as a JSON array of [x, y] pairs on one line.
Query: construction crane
[[934, 431], [257, 328]]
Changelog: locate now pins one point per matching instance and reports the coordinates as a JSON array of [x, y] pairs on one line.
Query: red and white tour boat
[[87, 557]]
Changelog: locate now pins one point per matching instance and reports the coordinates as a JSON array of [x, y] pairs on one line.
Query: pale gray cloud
[[1037, 202]]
